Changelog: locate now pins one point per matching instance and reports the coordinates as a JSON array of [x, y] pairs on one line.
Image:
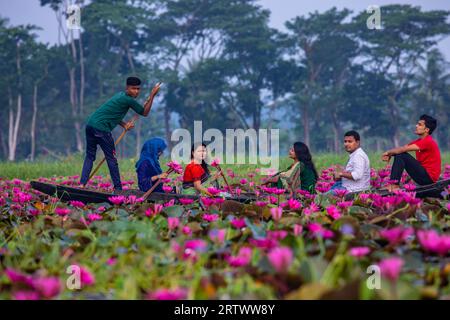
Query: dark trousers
[[405, 161], [105, 140]]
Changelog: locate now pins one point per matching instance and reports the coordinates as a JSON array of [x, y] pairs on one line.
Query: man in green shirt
[[105, 119]]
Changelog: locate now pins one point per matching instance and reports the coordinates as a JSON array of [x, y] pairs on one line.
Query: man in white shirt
[[356, 176]]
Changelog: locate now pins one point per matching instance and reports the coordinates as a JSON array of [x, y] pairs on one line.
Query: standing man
[[356, 176], [105, 119], [426, 167]]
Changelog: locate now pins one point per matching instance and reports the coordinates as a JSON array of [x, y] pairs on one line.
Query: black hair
[[354, 134], [133, 81], [303, 155], [430, 122], [204, 164]]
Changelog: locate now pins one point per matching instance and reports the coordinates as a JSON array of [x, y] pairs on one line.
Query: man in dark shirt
[[105, 119]]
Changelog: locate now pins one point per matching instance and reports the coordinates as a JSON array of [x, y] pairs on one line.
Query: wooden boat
[[428, 191], [66, 193]]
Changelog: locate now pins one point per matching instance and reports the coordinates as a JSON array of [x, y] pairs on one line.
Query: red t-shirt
[[193, 172], [429, 156]]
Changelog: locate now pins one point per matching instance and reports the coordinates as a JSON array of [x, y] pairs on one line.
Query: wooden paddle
[[224, 178], [157, 183]]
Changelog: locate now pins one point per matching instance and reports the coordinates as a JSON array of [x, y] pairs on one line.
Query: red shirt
[[429, 156], [193, 172]]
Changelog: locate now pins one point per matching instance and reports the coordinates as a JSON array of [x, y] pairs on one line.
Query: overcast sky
[[30, 12]]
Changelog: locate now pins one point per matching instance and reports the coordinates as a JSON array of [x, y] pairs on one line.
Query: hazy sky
[[30, 12]]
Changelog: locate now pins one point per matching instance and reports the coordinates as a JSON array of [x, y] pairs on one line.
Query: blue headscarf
[[150, 151]]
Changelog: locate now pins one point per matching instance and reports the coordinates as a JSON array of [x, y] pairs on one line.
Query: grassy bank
[[72, 166]]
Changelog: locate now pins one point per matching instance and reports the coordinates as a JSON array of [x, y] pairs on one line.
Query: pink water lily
[[333, 212], [173, 222], [276, 213], [396, 235], [94, 217], [358, 252], [77, 204], [215, 163], [186, 201], [167, 189], [432, 242], [280, 258], [48, 287], [168, 294], [217, 235], [186, 230], [117, 200], [238, 223], [26, 295], [277, 234], [210, 217], [62, 212], [297, 229], [242, 259], [391, 267], [175, 166], [153, 211]]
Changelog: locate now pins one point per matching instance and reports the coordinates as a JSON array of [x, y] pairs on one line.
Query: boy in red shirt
[[426, 167]]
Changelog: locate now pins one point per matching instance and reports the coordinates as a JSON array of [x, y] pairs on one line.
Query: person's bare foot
[[393, 187]]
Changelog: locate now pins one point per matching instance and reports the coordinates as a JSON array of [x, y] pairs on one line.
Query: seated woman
[[147, 168], [197, 172], [302, 174]]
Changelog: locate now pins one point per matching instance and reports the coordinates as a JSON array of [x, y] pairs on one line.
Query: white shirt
[[359, 167]]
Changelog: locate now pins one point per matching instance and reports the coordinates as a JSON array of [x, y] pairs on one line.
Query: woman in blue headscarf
[[148, 168]]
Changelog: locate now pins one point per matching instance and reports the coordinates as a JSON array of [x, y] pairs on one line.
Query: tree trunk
[[305, 120], [33, 123], [82, 73], [337, 134], [14, 123], [167, 127], [3, 145]]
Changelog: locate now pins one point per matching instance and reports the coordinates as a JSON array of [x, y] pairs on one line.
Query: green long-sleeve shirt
[[112, 112]]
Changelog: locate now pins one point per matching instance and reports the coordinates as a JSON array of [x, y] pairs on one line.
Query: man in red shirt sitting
[[426, 167]]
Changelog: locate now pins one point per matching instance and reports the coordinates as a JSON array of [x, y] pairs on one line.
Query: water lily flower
[[213, 191], [242, 259], [186, 201], [186, 230], [297, 229], [167, 189], [333, 212], [62, 212], [432, 242], [117, 200], [175, 166], [168, 294], [396, 235], [391, 267], [94, 217], [280, 258], [173, 222], [86, 277], [217, 235], [276, 213], [358, 252], [215, 163], [26, 295], [48, 287], [276, 234], [238, 223], [153, 211], [210, 217], [77, 204]]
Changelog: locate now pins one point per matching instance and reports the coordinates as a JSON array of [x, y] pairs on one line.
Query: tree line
[[222, 63]]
